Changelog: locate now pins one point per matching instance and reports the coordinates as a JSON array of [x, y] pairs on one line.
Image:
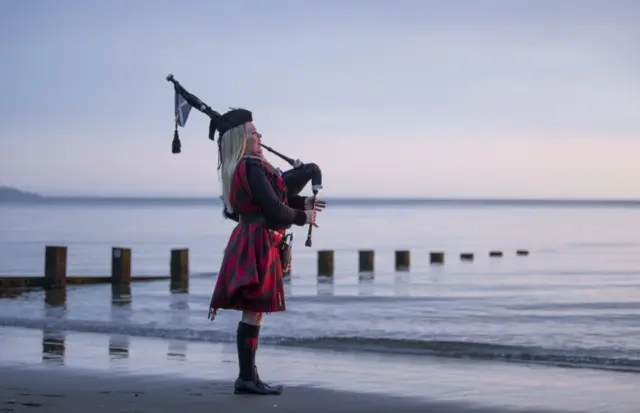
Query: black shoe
[[276, 387], [254, 387]]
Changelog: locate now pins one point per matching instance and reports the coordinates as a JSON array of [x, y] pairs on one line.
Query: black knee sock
[[247, 343]]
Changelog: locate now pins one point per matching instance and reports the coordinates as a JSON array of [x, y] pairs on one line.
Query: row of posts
[[55, 270], [55, 273], [402, 260]]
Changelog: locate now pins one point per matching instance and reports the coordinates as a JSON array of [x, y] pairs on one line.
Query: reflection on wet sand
[[53, 342], [121, 311], [326, 287], [179, 304], [365, 286], [118, 347], [402, 288], [53, 347], [177, 350]]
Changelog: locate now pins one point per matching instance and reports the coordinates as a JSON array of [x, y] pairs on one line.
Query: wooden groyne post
[[436, 257], [120, 265], [402, 260], [120, 274], [366, 260], [56, 297], [325, 263], [466, 256], [55, 267], [179, 270]]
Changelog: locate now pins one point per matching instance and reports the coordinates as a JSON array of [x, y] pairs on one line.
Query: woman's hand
[[320, 203], [311, 217]]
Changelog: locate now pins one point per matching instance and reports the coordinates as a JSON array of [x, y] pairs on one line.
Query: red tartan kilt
[[250, 277]]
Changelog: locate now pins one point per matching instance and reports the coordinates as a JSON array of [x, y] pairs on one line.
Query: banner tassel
[[176, 145]]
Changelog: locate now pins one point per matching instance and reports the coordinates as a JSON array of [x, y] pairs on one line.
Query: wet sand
[[24, 389], [68, 371]]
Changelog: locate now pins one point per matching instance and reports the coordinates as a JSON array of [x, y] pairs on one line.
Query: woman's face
[[253, 140]]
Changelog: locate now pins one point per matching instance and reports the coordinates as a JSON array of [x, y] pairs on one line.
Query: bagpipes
[[295, 178]]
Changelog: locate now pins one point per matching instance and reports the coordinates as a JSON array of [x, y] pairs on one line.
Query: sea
[[572, 302]]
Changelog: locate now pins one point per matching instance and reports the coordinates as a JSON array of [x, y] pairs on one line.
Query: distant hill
[[8, 194]]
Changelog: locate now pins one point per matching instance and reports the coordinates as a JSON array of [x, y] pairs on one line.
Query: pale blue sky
[[407, 98]]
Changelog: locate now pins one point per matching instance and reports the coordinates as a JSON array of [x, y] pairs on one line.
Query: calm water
[[575, 300]]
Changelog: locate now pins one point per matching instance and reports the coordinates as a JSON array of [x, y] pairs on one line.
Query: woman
[[250, 278]]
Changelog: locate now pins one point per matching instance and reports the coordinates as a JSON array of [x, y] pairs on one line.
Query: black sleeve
[[265, 197], [296, 201], [233, 216]]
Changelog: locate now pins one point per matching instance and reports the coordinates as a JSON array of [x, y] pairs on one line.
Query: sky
[[405, 98]]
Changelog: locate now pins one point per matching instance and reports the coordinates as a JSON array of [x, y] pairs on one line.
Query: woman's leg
[[247, 342], [249, 317]]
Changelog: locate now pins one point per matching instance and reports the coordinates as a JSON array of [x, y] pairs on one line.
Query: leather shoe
[[276, 387], [254, 387]]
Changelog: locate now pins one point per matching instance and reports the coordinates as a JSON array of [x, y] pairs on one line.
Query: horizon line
[[23, 195], [340, 199]]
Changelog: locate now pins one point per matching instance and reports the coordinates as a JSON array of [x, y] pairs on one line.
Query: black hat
[[228, 121]]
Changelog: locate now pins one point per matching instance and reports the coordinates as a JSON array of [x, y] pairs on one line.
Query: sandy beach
[[71, 372], [65, 390]]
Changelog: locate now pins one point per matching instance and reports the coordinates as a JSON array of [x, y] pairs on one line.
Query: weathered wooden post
[[403, 260], [55, 297], [466, 256], [495, 254], [120, 294], [55, 267], [179, 270], [365, 261], [120, 266], [436, 257], [325, 263], [522, 253]]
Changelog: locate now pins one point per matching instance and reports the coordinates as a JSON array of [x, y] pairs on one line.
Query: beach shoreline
[[78, 366], [71, 390]]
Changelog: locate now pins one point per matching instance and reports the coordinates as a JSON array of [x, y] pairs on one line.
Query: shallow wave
[[605, 305], [604, 358], [598, 359]]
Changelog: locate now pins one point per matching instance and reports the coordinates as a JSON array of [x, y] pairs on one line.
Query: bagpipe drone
[[295, 178]]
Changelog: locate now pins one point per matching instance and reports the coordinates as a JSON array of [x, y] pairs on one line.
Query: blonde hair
[[232, 147]]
